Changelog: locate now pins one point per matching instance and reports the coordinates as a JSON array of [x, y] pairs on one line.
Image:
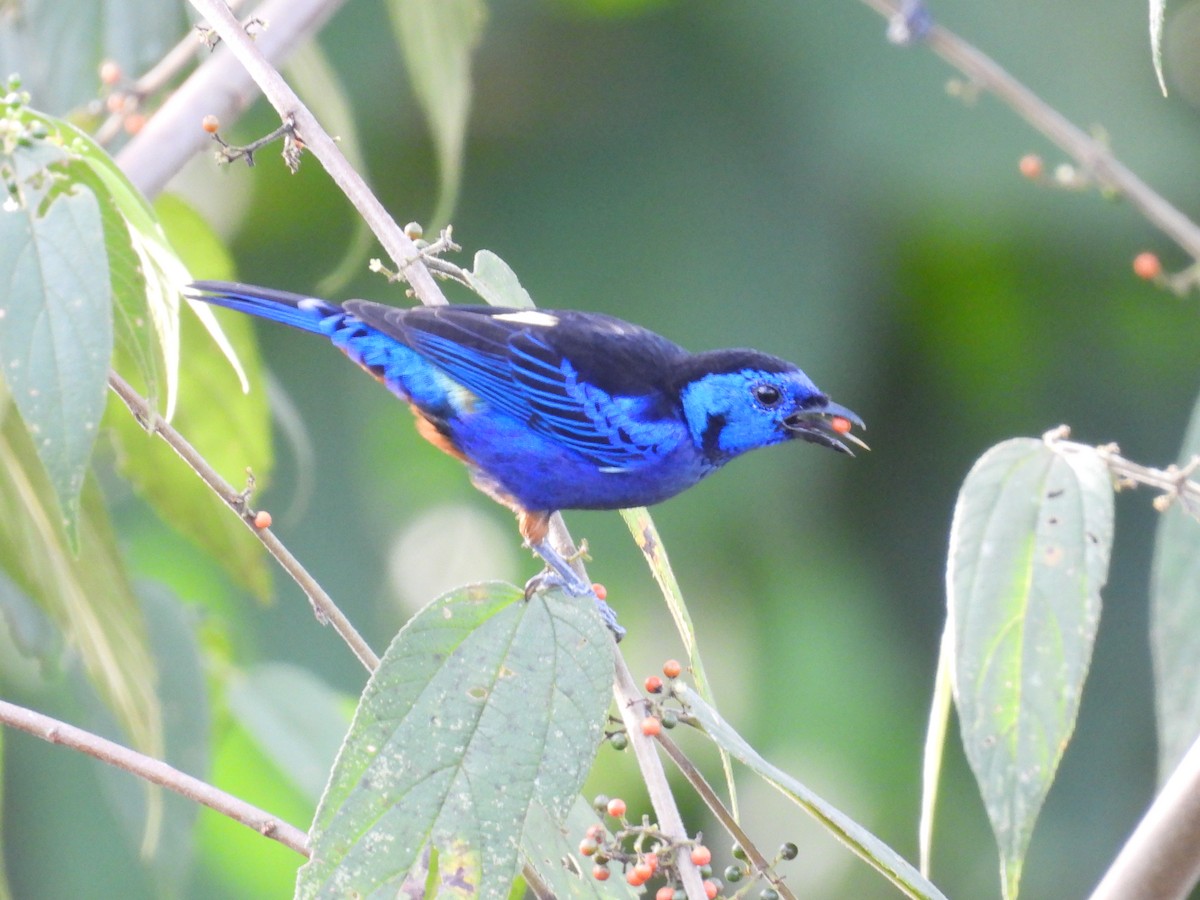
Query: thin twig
[[1096, 158], [403, 251], [323, 606], [221, 87], [723, 814], [155, 771]]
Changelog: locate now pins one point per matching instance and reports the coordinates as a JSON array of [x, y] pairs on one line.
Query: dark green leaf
[[483, 706], [883, 858], [55, 313], [1029, 552], [1175, 622]]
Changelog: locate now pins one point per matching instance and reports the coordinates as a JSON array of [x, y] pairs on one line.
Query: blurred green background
[[770, 174]]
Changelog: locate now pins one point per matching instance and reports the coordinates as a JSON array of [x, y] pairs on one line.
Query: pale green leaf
[[1175, 622], [550, 846], [1158, 10], [484, 705], [437, 38], [496, 283], [898, 871], [87, 596], [1029, 550]]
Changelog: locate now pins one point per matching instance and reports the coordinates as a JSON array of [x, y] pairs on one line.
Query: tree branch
[[323, 606], [1095, 158], [155, 771]]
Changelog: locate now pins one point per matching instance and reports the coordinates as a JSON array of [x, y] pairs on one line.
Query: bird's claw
[[559, 574]]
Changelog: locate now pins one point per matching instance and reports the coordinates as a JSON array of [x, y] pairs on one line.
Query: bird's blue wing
[[507, 358]]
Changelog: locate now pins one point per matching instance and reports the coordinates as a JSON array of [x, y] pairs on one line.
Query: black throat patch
[[710, 438]]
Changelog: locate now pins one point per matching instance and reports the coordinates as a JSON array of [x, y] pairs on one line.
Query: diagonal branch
[[154, 771]]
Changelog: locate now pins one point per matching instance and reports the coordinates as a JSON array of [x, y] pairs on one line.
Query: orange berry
[[651, 726], [588, 847], [701, 855], [1146, 265], [114, 103], [634, 878], [840, 424], [710, 890], [644, 871], [210, 123], [667, 892], [110, 72], [654, 685], [1031, 166], [134, 122], [616, 807], [262, 519], [599, 590], [600, 873], [672, 668], [651, 859]]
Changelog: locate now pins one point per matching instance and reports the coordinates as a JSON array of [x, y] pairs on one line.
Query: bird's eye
[[767, 394]]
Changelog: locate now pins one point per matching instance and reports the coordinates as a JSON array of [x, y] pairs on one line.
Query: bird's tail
[[305, 313]]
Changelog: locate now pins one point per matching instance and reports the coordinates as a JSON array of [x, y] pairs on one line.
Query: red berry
[[588, 847], [701, 855], [710, 890], [134, 122], [110, 72], [616, 807], [651, 859], [211, 124], [262, 519], [665, 893], [595, 832], [634, 877], [654, 685], [1146, 265], [1031, 166], [644, 871], [600, 873], [599, 590], [651, 726], [840, 424], [672, 668]]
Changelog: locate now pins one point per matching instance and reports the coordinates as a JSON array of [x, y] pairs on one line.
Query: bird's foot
[[559, 574]]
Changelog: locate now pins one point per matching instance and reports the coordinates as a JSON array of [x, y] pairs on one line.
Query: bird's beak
[[828, 425]]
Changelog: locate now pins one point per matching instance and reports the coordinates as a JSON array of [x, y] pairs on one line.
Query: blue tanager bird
[[561, 409]]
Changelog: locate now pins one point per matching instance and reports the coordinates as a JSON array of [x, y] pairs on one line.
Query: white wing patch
[[529, 317]]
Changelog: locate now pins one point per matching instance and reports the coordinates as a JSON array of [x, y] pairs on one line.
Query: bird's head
[[737, 400]]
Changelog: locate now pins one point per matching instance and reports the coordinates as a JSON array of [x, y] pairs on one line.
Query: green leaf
[[55, 312], [1029, 550], [437, 38], [883, 858], [87, 595], [496, 283], [296, 720], [483, 706], [1158, 10], [1175, 622], [145, 271], [232, 433]]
